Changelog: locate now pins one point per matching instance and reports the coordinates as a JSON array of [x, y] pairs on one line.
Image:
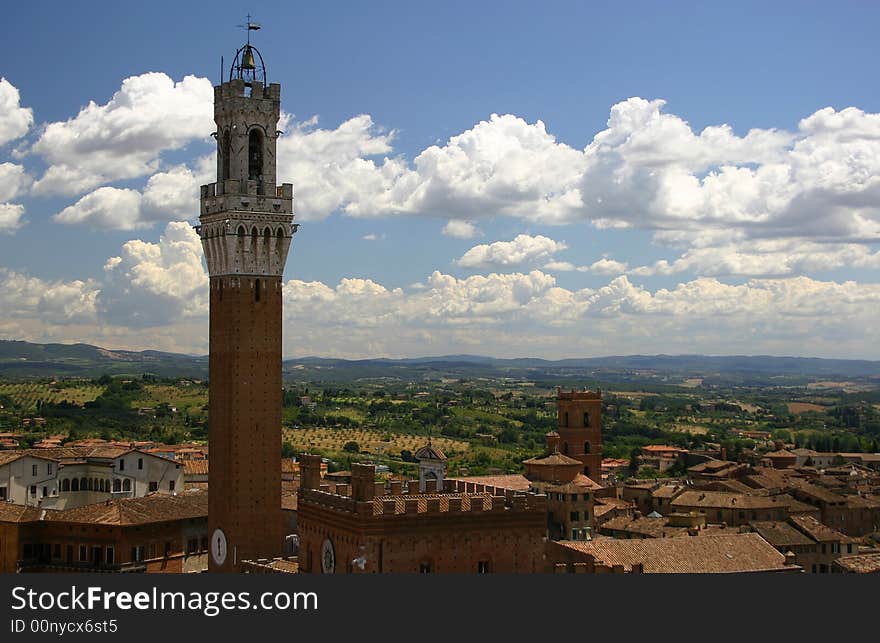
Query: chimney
[[310, 471], [363, 482]]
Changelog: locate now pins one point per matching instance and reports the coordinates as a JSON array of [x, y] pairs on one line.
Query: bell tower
[[246, 227], [580, 429]]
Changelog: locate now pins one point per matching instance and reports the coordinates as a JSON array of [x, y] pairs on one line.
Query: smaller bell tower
[[246, 227]]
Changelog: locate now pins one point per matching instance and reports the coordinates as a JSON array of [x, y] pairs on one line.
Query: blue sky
[[560, 217]]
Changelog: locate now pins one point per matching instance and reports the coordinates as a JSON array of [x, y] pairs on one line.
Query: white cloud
[[373, 237], [26, 298], [524, 249], [605, 266], [156, 284], [168, 196], [11, 217], [13, 181], [760, 257], [15, 120], [500, 166], [124, 138], [559, 266], [460, 229], [330, 168]]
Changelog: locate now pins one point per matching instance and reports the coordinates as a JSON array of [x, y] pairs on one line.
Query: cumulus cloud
[[124, 137], [605, 266], [25, 298], [156, 284], [523, 250], [331, 168], [460, 229], [11, 217], [500, 166], [528, 314], [168, 196], [559, 266], [15, 120]]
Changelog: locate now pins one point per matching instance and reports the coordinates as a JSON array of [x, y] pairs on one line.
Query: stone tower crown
[[246, 220]]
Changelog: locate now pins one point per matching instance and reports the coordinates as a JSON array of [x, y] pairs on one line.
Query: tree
[[351, 447]]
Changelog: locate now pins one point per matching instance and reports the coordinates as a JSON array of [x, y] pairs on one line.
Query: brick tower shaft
[[580, 429], [246, 227]]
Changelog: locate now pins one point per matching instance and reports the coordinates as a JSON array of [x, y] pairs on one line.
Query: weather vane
[[244, 65], [250, 26]]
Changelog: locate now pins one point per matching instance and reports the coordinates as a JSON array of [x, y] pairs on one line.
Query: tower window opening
[[257, 290], [255, 155], [586, 420], [241, 231], [586, 447], [566, 419], [565, 448]]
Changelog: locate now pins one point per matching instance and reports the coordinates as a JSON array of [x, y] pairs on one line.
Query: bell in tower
[[246, 227]]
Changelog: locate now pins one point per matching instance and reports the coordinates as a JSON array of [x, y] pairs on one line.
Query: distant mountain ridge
[[26, 359]]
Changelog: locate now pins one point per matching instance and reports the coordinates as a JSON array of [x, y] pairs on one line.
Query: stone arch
[[65, 484], [117, 485], [241, 231], [74, 485], [126, 485], [586, 419]]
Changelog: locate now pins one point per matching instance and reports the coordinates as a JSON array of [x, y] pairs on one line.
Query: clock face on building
[[218, 546], [328, 557]]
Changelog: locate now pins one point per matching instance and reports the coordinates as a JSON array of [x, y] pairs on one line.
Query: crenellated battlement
[[577, 396], [397, 499]]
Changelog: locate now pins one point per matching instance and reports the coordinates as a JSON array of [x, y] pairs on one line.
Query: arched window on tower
[[566, 419], [586, 419], [255, 154], [586, 447]]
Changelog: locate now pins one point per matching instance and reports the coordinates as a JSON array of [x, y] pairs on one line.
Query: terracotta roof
[[780, 534], [817, 492], [195, 467], [725, 500], [430, 452], [817, 530], [713, 554], [782, 453], [18, 513], [725, 484], [554, 459], [860, 563], [156, 507], [644, 526], [514, 481], [578, 484], [667, 491], [661, 448]]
